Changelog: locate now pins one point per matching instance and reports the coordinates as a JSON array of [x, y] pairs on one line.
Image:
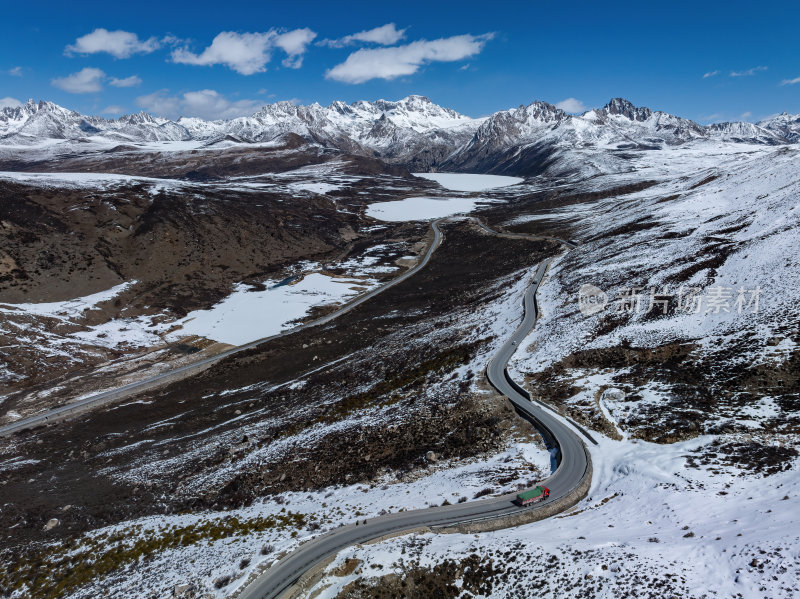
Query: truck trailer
[[535, 495]]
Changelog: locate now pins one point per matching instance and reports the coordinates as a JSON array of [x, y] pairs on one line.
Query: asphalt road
[[572, 467], [119, 393]]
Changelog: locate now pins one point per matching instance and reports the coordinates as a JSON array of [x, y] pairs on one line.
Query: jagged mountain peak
[[282, 106], [415, 100], [783, 125], [420, 103], [32, 107], [535, 114], [544, 111], [623, 107], [783, 117], [138, 118], [41, 105]]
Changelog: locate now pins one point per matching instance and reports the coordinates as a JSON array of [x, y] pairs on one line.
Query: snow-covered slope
[[535, 139], [716, 227]]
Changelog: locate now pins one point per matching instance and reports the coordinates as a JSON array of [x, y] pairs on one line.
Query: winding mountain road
[[573, 468]]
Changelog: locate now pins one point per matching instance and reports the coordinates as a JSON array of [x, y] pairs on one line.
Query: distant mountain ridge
[[413, 131]]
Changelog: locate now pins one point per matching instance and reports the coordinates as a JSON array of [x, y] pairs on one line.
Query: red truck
[[533, 496]]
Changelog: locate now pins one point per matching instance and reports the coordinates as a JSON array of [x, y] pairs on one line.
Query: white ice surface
[[425, 208], [469, 181], [420, 208], [245, 315]]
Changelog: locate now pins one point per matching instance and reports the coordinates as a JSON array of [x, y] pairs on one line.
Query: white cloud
[[172, 40], [120, 44], [245, 53], [390, 63], [90, 80], [748, 72], [571, 105], [745, 115], [248, 53], [385, 35], [15, 72], [114, 109], [790, 81], [9, 103], [711, 74], [205, 104], [294, 43], [85, 81], [131, 81]]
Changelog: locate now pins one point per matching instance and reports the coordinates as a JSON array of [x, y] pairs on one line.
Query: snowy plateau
[[272, 330]]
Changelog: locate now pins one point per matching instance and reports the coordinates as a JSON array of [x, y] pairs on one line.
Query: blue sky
[[706, 61]]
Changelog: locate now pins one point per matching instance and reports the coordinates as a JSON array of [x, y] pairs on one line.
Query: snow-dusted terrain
[[670, 331], [257, 535], [710, 516], [238, 556], [61, 330], [710, 269]]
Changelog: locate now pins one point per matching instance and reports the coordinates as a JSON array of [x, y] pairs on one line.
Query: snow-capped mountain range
[[412, 131]]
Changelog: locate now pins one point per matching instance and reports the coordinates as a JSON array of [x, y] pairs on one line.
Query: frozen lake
[[247, 315], [422, 208], [468, 181]]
